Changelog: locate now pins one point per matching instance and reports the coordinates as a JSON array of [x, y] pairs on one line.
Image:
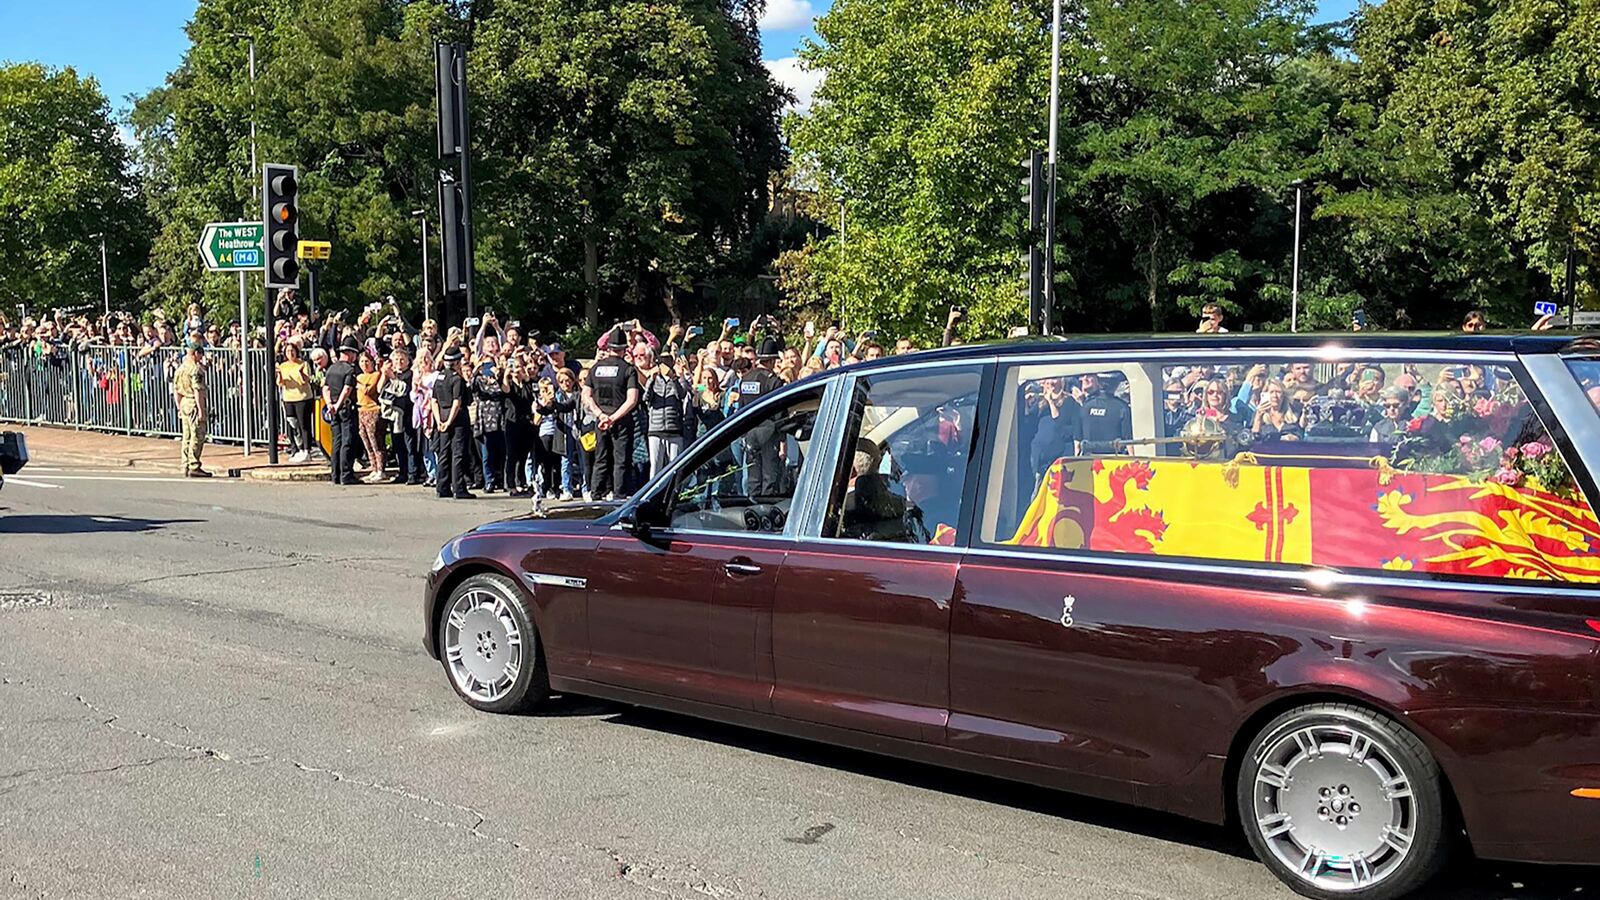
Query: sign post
[[236, 247]]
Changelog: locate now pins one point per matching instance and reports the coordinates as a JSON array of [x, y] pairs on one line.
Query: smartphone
[[473, 322], [734, 323], [871, 334], [960, 309], [695, 331], [1545, 308]]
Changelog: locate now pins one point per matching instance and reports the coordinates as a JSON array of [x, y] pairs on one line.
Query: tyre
[[1342, 802], [490, 648]]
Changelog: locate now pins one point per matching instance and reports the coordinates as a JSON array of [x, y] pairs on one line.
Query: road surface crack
[[204, 572], [474, 829], [672, 879]]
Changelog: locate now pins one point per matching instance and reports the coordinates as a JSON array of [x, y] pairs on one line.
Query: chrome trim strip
[[803, 542], [565, 581], [816, 478], [1576, 415], [1324, 353], [1317, 580], [694, 532]]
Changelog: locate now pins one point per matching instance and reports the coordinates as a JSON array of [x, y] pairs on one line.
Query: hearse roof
[[1316, 343]]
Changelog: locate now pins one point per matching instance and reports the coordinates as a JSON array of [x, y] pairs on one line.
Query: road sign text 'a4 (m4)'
[[232, 246]]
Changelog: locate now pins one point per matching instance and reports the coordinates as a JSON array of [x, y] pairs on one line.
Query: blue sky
[[130, 45]]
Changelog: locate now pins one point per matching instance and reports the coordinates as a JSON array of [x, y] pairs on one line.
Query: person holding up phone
[[957, 313]]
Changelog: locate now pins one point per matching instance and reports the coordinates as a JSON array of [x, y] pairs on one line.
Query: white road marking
[[125, 478], [25, 483]]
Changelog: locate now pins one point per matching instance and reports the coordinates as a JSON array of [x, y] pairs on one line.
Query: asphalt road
[[217, 689]]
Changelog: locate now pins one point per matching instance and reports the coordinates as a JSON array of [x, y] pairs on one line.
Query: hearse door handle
[[741, 565]]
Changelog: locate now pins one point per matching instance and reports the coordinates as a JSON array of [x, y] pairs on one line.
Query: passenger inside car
[[871, 511]]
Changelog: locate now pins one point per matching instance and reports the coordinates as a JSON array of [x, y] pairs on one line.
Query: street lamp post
[[253, 178], [426, 297], [1294, 282], [1050, 192], [105, 277]]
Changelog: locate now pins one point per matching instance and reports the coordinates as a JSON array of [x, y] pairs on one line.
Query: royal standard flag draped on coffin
[[1368, 518]]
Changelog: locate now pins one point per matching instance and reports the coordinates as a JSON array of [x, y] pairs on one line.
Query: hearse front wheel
[[1341, 802], [490, 648]]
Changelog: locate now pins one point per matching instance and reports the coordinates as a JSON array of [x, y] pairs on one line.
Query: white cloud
[[794, 75], [783, 15]]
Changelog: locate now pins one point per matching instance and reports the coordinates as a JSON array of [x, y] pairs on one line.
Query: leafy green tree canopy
[[64, 176]]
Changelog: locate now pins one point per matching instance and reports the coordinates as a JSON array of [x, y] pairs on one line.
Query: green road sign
[[231, 246]]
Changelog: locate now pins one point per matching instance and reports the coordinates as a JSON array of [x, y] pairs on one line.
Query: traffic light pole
[[466, 177], [272, 380], [1048, 326]]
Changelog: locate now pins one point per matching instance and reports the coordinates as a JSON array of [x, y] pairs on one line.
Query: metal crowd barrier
[[115, 389]]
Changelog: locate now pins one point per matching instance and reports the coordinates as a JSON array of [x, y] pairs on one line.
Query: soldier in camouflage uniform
[[189, 385]]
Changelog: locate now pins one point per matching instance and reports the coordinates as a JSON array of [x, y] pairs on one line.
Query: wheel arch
[[1275, 706], [459, 573]]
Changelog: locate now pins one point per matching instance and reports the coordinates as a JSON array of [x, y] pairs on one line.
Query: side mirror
[[637, 519], [632, 523]]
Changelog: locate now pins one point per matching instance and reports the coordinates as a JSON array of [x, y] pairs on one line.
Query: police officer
[[339, 405], [452, 427], [1106, 418], [610, 396], [189, 385], [763, 469]]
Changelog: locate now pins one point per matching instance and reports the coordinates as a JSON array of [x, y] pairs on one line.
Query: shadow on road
[[67, 523], [1466, 879]]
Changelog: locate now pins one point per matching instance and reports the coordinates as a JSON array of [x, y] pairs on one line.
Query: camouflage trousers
[[194, 434]]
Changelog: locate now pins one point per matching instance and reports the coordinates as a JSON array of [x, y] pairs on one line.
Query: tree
[[64, 176], [1504, 95], [916, 132], [1191, 125], [627, 147], [344, 90]]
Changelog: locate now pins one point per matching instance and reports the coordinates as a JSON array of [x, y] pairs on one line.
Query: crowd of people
[[487, 406]]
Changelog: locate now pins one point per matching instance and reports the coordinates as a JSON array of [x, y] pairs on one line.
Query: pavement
[[217, 689], [104, 450]]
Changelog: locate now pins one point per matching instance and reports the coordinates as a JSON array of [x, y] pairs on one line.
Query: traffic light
[[1033, 192], [453, 236], [280, 210], [1033, 205], [450, 98]]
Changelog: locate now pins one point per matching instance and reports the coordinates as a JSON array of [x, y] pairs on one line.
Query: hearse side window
[[1428, 467], [1587, 371], [745, 481], [904, 463]]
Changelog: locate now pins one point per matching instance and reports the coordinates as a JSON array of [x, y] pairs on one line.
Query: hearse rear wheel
[[490, 648], [1343, 804]]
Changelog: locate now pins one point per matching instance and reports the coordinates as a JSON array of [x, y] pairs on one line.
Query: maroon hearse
[[1340, 590]]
